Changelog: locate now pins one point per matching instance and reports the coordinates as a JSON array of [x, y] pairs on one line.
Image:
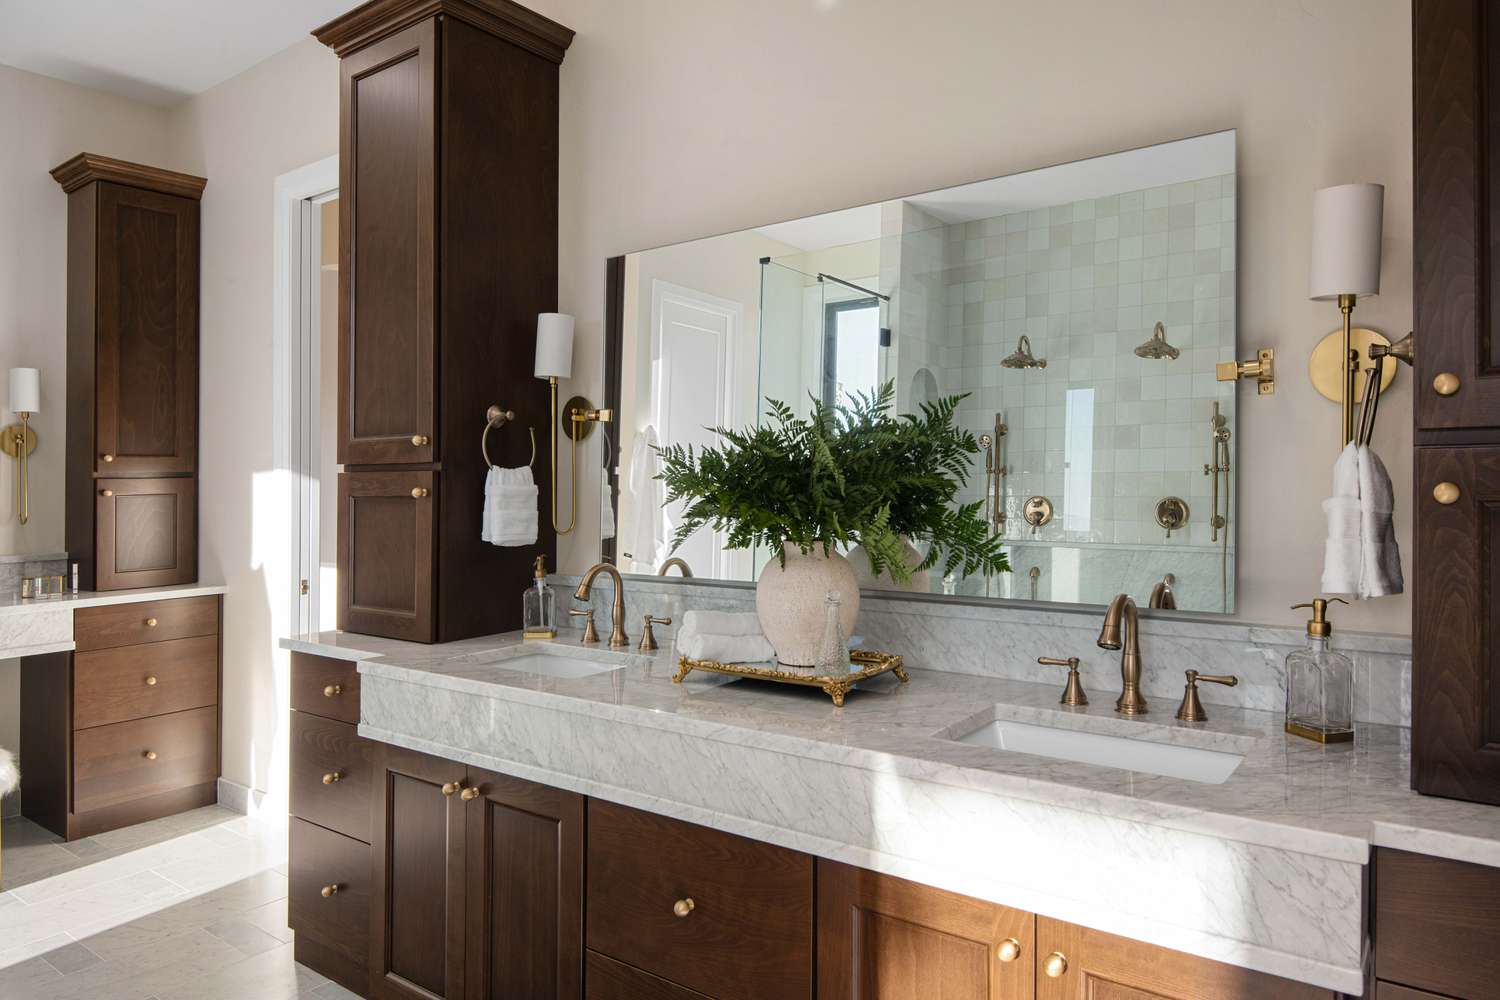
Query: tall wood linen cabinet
[[448, 251], [131, 504]]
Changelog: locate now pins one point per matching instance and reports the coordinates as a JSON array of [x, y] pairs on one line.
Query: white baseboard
[[10, 805], [240, 798]]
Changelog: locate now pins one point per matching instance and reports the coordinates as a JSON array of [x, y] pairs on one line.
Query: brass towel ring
[[496, 417]]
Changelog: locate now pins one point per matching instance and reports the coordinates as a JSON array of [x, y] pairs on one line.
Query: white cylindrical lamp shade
[[25, 390], [1346, 229], [554, 345]]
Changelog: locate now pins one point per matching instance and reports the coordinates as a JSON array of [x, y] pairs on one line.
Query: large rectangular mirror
[[1079, 309]]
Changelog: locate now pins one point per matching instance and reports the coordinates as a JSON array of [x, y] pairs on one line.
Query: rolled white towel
[[10, 775], [511, 504], [722, 622], [1341, 552], [696, 645]]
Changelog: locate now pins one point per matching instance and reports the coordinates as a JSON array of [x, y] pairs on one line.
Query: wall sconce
[[19, 440], [554, 361]]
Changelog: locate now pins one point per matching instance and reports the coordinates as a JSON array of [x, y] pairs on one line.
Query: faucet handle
[[1191, 709], [1073, 693], [648, 639], [590, 635]]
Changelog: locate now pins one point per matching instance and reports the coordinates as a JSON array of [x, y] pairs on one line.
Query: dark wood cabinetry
[[132, 427], [126, 727], [1436, 926], [448, 249]]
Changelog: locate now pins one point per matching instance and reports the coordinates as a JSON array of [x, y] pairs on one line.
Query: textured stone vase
[[789, 601], [920, 582]]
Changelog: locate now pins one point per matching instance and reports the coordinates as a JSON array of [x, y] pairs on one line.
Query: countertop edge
[[96, 599]]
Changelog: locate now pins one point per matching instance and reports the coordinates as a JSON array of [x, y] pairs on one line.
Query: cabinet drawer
[[331, 768], [326, 687], [130, 760], [749, 932], [1437, 923], [321, 860], [135, 682], [148, 621], [611, 980]]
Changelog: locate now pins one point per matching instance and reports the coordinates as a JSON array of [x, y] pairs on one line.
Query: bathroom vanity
[[541, 809]]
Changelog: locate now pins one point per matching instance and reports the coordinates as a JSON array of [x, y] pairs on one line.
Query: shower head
[[1023, 358], [1157, 347]]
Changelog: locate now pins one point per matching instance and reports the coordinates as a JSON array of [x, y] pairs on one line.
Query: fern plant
[[844, 475]]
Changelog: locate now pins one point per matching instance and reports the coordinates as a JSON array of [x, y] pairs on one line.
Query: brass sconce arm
[[1262, 368]]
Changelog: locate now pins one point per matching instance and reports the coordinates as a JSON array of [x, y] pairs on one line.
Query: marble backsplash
[[1004, 640]]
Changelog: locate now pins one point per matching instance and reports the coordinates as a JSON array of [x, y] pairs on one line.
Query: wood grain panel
[[147, 532], [127, 624], [1437, 923], [610, 980], [110, 765], [46, 714], [750, 932], [524, 929], [134, 682], [1391, 991], [1106, 967], [324, 686], [387, 315], [322, 747], [319, 858], [81, 451], [386, 554], [884, 938]]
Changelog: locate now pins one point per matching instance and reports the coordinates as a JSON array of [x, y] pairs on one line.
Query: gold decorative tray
[[863, 664]]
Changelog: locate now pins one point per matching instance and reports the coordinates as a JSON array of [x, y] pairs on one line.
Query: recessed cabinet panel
[[147, 531], [385, 553]]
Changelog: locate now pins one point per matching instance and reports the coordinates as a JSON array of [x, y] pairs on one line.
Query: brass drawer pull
[[1055, 965], [329, 890], [331, 777], [418, 492], [470, 794], [451, 788], [1445, 384], [106, 493], [333, 691], [418, 440], [1446, 493], [151, 623], [1009, 950], [151, 682], [108, 458], [149, 755], [683, 906]]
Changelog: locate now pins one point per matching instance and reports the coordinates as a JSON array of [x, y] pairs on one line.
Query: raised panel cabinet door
[[146, 369], [147, 532], [1076, 963], [386, 553], [417, 915], [1455, 656], [388, 216], [1456, 227], [524, 880], [884, 938]]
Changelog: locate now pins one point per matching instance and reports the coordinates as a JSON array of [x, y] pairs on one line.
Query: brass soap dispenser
[[1320, 684]]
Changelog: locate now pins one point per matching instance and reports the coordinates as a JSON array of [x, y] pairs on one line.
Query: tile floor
[[188, 908]]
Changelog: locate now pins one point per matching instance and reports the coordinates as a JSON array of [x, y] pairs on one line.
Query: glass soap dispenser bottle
[[1320, 684], [537, 606]]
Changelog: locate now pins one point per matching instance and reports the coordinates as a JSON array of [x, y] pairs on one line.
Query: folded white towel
[[722, 622], [1380, 556], [1341, 552], [10, 775], [697, 645], [510, 507]]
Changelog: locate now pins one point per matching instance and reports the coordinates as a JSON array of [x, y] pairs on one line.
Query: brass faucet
[[677, 561], [617, 637], [1123, 615]]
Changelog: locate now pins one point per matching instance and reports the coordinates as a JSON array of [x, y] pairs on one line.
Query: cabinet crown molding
[[85, 168], [375, 20]]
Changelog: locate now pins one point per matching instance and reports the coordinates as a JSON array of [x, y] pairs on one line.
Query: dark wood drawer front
[[607, 979], [749, 932], [325, 687], [128, 760], [323, 861], [331, 769], [1390, 991], [1437, 923], [136, 682], [128, 624]]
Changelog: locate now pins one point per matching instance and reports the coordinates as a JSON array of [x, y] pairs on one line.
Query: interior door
[[386, 553], [146, 420], [693, 341]]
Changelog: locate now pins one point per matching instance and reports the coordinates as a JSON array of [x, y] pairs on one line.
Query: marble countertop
[[12, 603]]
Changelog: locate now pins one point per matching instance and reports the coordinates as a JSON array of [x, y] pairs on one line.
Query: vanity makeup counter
[[29, 626], [1265, 870]]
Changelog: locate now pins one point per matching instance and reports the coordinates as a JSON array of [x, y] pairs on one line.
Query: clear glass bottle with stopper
[[1320, 683], [833, 648], [538, 608]]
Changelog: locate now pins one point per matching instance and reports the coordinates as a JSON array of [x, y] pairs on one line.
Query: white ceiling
[[157, 51]]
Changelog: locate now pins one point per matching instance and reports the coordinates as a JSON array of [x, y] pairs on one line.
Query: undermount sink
[[555, 665], [1168, 760]]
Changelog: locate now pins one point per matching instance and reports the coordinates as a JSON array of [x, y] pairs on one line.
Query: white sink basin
[[555, 665], [1169, 760]]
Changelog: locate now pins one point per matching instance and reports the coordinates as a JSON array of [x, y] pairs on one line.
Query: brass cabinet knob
[[333, 691], [1055, 965], [683, 906], [331, 777], [329, 890], [450, 788], [108, 458], [1445, 383], [151, 623], [470, 794], [106, 493], [149, 755], [418, 440], [1009, 950], [151, 682], [1446, 493], [418, 492]]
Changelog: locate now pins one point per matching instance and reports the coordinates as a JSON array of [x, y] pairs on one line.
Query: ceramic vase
[[789, 601], [920, 582]]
